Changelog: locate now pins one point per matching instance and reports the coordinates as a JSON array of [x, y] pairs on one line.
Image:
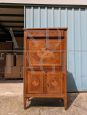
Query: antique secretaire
[[45, 63]]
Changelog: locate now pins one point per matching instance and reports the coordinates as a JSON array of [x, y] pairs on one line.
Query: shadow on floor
[[71, 87], [52, 102], [71, 98], [49, 102]]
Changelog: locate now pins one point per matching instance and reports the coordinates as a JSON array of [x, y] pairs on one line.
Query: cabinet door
[[55, 44], [52, 58], [45, 58], [34, 82], [54, 83], [35, 44]]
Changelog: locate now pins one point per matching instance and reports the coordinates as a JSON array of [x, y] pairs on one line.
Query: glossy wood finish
[[34, 82], [45, 64]]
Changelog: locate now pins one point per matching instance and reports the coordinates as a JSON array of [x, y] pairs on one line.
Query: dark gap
[[52, 37]]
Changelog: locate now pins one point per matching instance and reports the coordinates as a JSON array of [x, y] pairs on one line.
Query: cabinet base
[[28, 99]]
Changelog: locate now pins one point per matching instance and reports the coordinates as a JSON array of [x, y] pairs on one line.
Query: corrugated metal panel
[[76, 21]]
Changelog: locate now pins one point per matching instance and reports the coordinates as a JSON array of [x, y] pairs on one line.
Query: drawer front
[[43, 58], [35, 44], [36, 33], [55, 33], [40, 44], [54, 83], [34, 82], [44, 33]]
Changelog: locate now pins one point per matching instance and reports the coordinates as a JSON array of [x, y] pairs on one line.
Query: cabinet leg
[[25, 103], [65, 103], [29, 101]]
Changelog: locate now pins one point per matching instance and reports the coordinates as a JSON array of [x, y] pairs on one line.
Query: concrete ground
[[11, 102]]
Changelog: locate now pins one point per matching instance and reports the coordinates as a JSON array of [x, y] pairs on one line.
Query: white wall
[[71, 2]]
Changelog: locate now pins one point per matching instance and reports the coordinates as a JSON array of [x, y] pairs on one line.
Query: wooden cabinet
[[45, 65]]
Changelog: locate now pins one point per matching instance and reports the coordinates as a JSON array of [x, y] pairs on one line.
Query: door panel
[[55, 44], [35, 44], [45, 58], [34, 82], [54, 83]]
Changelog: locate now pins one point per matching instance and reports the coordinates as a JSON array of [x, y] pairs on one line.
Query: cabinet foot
[[26, 102], [25, 107], [65, 103]]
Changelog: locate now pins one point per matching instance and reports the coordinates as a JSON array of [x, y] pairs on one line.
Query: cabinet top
[[45, 28]]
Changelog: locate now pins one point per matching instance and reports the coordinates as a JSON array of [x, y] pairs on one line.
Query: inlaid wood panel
[[54, 82], [55, 44], [45, 57], [41, 44], [36, 44], [34, 81]]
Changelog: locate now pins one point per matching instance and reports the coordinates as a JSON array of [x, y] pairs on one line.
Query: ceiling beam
[[12, 6], [10, 21], [16, 29], [11, 18], [15, 32], [7, 36], [11, 11], [14, 26], [15, 15]]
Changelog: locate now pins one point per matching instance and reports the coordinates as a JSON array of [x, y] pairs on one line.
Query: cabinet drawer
[[45, 33], [34, 82], [43, 58], [35, 44], [36, 33], [54, 81], [39, 44], [55, 33]]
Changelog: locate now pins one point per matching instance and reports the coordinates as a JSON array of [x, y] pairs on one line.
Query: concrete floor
[[11, 102]]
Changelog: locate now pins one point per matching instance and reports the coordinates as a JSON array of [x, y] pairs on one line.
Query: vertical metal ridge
[[39, 17], [74, 41], [32, 11], [46, 11], [60, 16], [53, 16], [81, 47], [66, 18]]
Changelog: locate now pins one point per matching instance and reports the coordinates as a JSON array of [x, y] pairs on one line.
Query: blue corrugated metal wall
[[75, 18]]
